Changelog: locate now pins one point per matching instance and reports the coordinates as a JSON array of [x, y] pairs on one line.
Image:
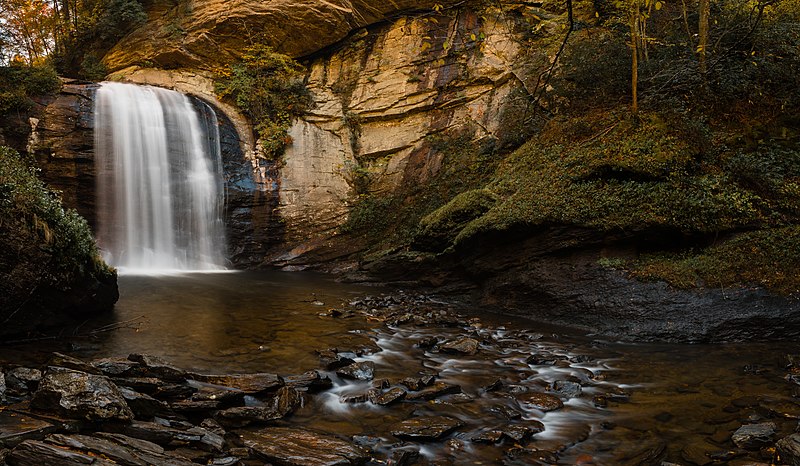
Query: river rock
[[250, 384], [63, 360], [115, 367], [15, 428], [404, 456], [331, 360], [754, 436], [567, 389], [80, 395], [434, 391], [37, 453], [425, 429], [364, 370], [390, 396], [119, 448], [165, 434], [418, 383], [519, 433], [21, 380], [541, 401], [282, 404], [789, 449], [311, 382], [2, 386], [143, 406], [153, 366], [296, 447], [467, 346]]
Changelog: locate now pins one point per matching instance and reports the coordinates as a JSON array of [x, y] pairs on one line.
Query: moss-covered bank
[[701, 208], [50, 269]]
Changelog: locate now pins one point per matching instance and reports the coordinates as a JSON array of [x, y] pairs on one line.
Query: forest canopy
[[69, 35]]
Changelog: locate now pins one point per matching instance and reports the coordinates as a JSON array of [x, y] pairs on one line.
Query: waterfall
[[159, 181]]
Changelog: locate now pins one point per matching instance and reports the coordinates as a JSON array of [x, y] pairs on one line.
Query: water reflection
[[640, 404]]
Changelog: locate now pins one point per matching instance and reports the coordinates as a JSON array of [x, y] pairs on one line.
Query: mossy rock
[[438, 229]]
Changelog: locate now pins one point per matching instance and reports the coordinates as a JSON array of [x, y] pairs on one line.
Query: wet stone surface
[[411, 382]]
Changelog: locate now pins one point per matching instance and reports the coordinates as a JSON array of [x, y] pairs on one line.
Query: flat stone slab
[[15, 428], [434, 391], [250, 384], [36, 453], [423, 429], [119, 448], [391, 396], [296, 447]]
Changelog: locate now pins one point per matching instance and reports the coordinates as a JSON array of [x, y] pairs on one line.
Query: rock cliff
[[206, 33]]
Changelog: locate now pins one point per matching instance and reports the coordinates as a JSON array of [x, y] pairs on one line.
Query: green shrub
[[268, 87], [18, 83], [62, 232]]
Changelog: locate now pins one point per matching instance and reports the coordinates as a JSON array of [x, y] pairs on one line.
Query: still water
[[640, 403]]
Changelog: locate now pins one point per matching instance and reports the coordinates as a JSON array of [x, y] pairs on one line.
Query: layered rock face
[[205, 33], [382, 98], [62, 138]]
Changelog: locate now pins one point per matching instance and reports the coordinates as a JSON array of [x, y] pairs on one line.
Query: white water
[[159, 181]]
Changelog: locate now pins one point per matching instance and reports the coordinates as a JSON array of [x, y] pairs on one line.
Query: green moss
[[268, 87], [18, 83], [769, 258], [439, 227], [62, 232], [635, 176]]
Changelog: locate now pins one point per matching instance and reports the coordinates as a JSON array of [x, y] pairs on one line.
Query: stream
[[623, 403]]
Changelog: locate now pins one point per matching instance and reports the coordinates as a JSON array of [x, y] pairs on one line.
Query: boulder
[[754, 436], [80, 395]]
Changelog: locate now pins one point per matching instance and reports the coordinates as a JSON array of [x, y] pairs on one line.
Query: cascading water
[[159, 181]]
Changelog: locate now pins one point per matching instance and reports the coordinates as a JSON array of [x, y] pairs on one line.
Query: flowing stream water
[[159, 181], [639, 404]]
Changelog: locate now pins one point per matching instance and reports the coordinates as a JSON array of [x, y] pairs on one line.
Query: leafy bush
[[268, 87], [18, 83], [62, 232]]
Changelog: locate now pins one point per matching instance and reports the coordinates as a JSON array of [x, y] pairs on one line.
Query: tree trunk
[[705, 12], [635, 58]]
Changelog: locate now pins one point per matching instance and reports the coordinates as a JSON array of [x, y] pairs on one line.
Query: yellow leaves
[[425, 47], [473, 37], [659, 5]]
